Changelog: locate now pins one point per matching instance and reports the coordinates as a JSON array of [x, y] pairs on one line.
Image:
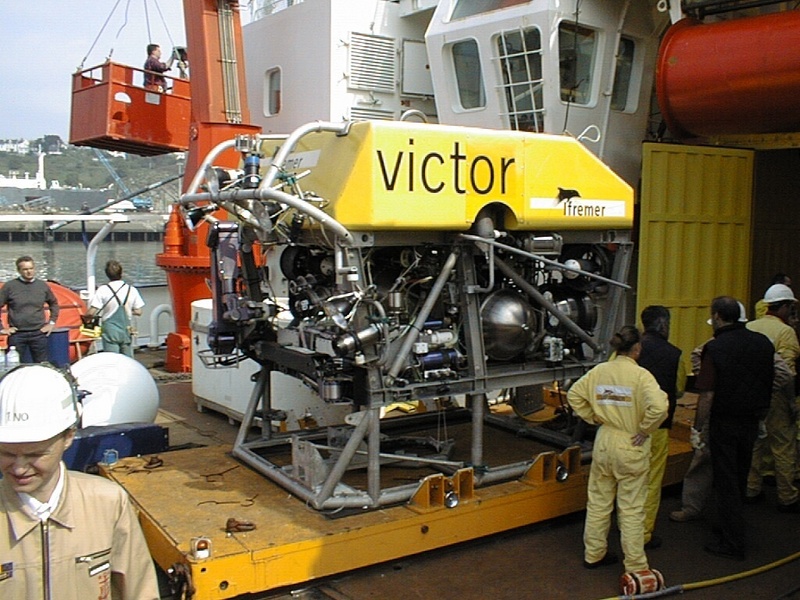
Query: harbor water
[[65, 262]]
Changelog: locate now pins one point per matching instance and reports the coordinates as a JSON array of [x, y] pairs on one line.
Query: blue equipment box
[[129, 439]]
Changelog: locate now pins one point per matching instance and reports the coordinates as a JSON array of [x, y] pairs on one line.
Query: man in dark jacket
[[28, 325], [663, 360], [735, 384], [154, 79]]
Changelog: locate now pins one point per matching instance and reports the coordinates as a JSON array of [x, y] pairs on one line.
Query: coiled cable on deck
[[685, 587]]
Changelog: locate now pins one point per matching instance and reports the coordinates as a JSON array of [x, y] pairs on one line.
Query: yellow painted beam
[[196, 491]]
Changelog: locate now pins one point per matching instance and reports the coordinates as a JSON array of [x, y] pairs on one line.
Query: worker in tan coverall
[[781, 420], [627, 403], [63, 535]]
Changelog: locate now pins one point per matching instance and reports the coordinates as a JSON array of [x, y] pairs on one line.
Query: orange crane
[[111, 110], [219, 112]]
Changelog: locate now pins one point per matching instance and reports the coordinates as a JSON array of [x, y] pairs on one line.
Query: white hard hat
[[779, 293], [37, 403], [742, 312]]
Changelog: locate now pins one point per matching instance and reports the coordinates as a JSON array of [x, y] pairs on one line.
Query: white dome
[[122, 390]]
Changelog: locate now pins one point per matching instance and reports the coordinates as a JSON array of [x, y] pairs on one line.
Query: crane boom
[[110, 168]]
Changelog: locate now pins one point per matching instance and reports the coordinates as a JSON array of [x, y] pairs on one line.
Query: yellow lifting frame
[[197, 490]]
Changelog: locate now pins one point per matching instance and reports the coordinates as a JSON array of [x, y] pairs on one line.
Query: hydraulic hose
[[685, 587]]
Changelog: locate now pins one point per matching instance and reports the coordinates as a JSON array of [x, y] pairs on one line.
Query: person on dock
[[28, 326], [117, 302], [63, 534]]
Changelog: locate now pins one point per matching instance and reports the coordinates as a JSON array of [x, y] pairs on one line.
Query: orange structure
[[112, 110], [71, 307], [731, 77], [219, 112]]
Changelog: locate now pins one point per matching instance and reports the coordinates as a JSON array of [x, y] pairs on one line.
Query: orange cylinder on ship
[[731, 77]]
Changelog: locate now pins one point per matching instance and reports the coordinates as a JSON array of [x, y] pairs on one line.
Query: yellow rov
[[401, 176], [455, 270]]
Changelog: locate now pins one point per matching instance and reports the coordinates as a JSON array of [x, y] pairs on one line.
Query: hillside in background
[[78, 167]]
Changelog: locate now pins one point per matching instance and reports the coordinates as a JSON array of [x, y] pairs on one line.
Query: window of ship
[[469, 76], [622, 75], [272, 92], [468, 8], [520, 56], [576, 50]]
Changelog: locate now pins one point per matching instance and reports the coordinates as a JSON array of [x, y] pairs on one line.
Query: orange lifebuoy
[[71, 307]]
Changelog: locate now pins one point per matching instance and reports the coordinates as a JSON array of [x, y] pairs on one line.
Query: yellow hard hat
[[37, 402]]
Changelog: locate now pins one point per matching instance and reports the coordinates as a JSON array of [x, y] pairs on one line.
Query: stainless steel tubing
[[425, 311]]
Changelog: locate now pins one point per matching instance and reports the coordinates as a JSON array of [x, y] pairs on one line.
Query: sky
[[46, 41]]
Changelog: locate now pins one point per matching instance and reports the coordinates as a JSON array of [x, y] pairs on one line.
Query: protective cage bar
[[357, 339], [319, 483]]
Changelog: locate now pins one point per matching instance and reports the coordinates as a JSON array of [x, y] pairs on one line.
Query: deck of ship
[[511, 548]]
